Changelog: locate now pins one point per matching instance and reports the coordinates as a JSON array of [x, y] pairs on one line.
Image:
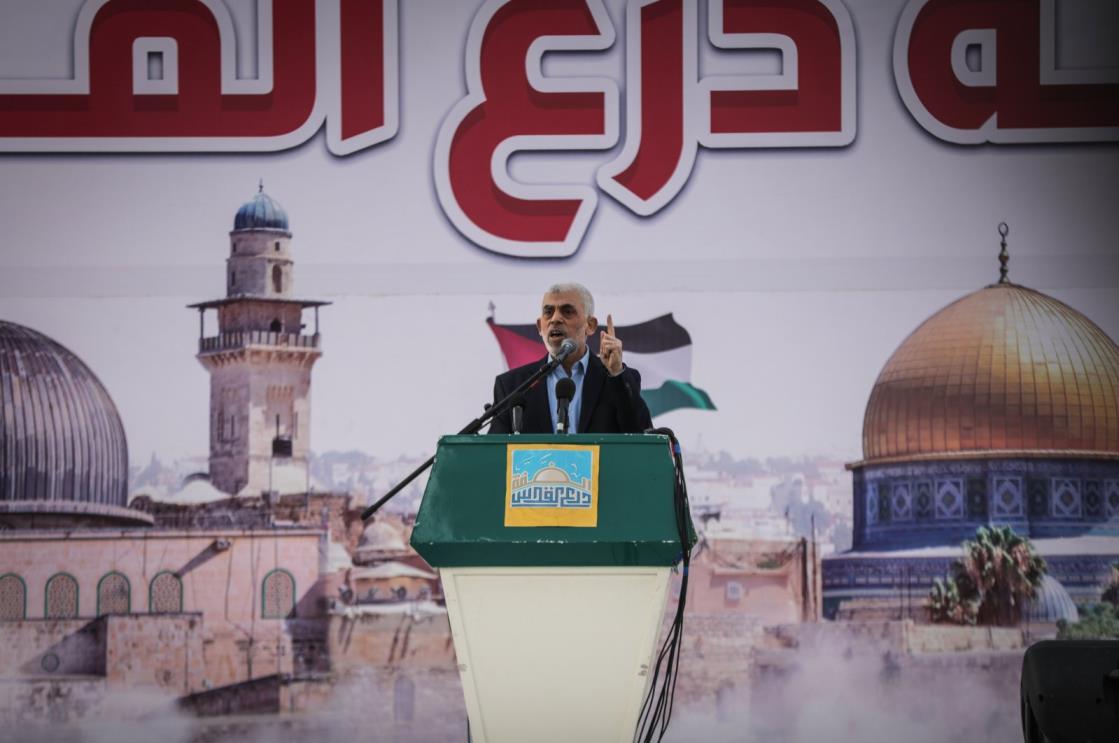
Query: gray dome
[[261, 213], [1052, 603], [61, 440]]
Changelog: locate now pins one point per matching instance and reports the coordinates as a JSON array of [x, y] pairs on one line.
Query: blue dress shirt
[[578, 372]]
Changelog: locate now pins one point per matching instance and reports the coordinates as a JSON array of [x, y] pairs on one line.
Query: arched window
[[165, 595], [278, 595], [275, 327], [277, 279], [403, 699], [13, 598], [61, 597], [114, 594]]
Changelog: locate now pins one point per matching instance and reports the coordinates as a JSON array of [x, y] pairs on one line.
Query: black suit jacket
[[609, 405]]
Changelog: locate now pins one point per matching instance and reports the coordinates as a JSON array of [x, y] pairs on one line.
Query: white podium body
[[554, 653], [555, 554]]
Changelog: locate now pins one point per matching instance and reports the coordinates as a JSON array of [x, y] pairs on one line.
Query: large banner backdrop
[[768, 196]]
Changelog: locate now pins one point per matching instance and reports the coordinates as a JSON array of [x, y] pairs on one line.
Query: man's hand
[[610, 349]]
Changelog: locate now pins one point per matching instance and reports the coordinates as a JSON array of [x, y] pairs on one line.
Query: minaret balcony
[[246, 338]]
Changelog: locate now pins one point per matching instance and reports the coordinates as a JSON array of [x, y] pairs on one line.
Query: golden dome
[[1004, 368], [551, 474]]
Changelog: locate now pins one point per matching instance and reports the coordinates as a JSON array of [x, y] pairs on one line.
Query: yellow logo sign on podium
[[551, 485]]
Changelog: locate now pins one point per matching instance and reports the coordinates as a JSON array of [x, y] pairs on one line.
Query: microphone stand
[[472, 427], [563, 397]]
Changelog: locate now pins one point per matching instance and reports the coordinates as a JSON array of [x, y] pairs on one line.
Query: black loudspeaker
[[1070, 692]]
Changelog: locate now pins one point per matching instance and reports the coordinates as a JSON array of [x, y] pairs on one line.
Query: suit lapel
[[592, 386], [538, 416]]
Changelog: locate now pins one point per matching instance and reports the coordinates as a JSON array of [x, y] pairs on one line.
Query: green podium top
[[477, 485]]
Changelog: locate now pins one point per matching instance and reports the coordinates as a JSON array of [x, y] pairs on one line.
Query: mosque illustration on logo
[[551, 478]]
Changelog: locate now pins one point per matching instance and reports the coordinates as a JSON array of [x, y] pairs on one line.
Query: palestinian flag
[[659, 348]]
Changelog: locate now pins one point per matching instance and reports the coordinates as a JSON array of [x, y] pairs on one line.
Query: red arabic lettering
[[660, 142], [512, 107], [201, 105], [367, 75], [812, 101], [1020, 97]]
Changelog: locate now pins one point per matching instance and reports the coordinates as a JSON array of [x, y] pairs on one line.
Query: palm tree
[[991, 582], [1007, 572], [946, 606]]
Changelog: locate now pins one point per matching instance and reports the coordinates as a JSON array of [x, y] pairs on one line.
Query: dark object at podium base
[[1070, 692]]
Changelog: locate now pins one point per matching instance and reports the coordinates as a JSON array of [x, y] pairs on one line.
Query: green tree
[[990, 584], [1097, 622], [946, 605]]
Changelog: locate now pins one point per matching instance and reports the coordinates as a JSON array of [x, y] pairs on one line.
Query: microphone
[[565, 390], [517, 415], [565, 349]]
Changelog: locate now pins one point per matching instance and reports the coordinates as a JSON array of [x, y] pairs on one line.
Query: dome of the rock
[[1004, 368]]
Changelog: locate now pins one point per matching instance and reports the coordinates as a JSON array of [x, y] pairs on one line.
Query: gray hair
[[572, 287]]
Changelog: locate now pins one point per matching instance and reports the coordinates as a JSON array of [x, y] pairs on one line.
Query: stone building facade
[[260, 360], [770, 581], [99, 595], [242, 587]]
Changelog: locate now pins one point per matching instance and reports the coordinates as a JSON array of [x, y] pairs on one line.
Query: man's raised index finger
[[610, 324]]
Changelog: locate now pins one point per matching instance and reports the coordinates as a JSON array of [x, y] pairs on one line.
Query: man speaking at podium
[[607, 393]]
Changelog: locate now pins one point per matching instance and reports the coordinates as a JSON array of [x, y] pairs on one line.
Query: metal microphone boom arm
[[476, 425]]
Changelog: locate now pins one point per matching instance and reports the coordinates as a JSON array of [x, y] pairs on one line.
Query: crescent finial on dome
[[1004, 256]]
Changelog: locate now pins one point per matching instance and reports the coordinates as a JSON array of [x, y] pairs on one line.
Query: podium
[[554, 553]]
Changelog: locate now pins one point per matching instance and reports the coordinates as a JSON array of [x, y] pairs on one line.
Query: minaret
[[260, 361]]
